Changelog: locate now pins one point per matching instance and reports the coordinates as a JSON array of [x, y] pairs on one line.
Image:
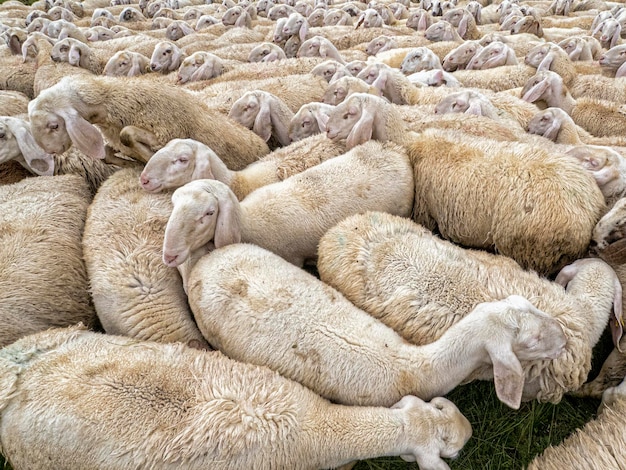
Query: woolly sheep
[[42, 221], [420, 286], [265, 114], [464, 22], [59, 118], [525, 237], [193, 397], [17, 143], [598, 117], [199, 66], [185, 160], [598, 445], [126, 64], [134, 294], [582, 48], [442, 31], [289, 217], [266, 52], [317, 46], [458, 58], [421, 58], [13, 102], [233, 289], [496, 54]]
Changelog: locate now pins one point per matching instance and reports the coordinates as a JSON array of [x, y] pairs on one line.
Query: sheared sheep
[[289, 217], [309, 332], [420, 286], [134, 294], [43, 281], [137, 117], [130, 404]]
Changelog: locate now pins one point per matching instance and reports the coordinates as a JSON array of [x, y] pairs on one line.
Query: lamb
[[596, 446], [420, 286], [540, 237], [134, 294], [185, 160], [79, 54], [233, 289], [200, 66], [442, 31], [59, 118], [328, 69], [264, 113], [42, 221], [309, 120], [272, 422], [289, 217], [598, 117], [17, 143], [318, 46]]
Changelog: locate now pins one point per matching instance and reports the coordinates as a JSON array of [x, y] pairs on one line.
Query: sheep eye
[[53, 126], [2, 135], [64, 48], [211, 212]]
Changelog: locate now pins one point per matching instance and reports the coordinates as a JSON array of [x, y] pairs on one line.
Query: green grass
[[502, 438]]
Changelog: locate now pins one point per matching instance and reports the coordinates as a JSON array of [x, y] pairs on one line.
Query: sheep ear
[[321, 119], [536, 91], [138, 67], [199, 73], [202, 169], [244, 20], [552, 132], [474, 108], [360, 21], [227, 227], [422, 23], [271, 57], [36, 158], [508, 375], [362, 130], [462, 28], [546, 62], [84, 135], [621, 71], [263, 121], [616, 36], [304, 30], [74, 56]]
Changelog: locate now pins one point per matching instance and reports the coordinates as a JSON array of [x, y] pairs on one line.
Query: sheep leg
[[141, 142]]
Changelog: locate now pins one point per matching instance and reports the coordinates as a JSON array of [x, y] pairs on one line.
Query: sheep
[[264, 113], [442, 31], [310, 119], [126, 64], [420, 285], [464, 22], [340, 186], [136, 117], [43, 281], [598, 117], [558, 126], [608, 32], [501, 78], [166, 57], [458, 58], [12, 172], [526, 237], [421, 58], [134, 294], [317, 46], [13, 102], [234, 287], [436, 77], [185, 160], [328, 69], [581, 48], [613, 60], [337, 17], [496, 54], [200, 66], [266, 52], [596, 446], [17, 143], [419, 20], [194, 408], [15, 75]]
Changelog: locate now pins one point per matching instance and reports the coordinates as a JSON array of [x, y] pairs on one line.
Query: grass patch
[[502, 438]]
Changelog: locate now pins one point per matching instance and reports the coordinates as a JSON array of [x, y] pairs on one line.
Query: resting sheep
[[309, 120], [130, 404], [134, 293], [43, 281], [514, 214], [289, 217], [185, 160], [420, 286], [60, 116], [309, 332]]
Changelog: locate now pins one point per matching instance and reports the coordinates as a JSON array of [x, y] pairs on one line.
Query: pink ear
[[536, 91], [462, 28], [263, 122], [84, 135], [546, 62], [422, 23], [474, 108], [362, 130], [321, 119], [228, 227], [244, 20], [508, 376], [304, 30], [74, 56], [621, 71], [36, 158], [616, 36]]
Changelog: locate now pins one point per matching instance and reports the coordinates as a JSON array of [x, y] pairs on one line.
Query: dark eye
[[53, 126], [2, 135], [64, 48], [210, 212], [345, 116]]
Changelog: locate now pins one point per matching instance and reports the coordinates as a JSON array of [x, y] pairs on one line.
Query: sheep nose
[[169, 259], [153, 66], [144, 180]]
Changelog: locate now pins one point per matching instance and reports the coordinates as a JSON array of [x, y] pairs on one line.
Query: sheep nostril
[[169, 259], [153, 66], [144, 180]]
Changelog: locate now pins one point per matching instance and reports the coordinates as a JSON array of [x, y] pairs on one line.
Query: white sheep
[[496, 54], [514, 213], [309, 120], [596, 446], [458, 58], [133, 293], [137, 117], [126, 64], [132, 404], [185, 160], [309, 332], [289, 217], [421, 58], [420, 286], [43, 281]]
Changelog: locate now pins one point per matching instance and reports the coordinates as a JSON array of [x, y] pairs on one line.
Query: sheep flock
[[275, 234]]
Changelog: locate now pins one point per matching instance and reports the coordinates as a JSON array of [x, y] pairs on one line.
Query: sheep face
[[376, 45], [606, 165], [199, 66], [9, 148], [460, 56], [353, 120], [546, 123], [266, 52], [50, 132], [419, 59], [309, 120], [170, 167], [246, 109], [166, 57], [67, 50], [326, 69]]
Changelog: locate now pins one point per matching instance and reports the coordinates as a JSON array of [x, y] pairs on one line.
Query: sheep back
[[134, 293], [43, 281]]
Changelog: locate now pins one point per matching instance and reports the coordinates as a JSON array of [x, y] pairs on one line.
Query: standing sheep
[[43, 281], [530, 203], [101, 402], [134, 293], [309, 332], [420, 286], [137, 117]]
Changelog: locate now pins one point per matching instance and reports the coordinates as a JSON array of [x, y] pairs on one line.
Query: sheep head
[[16, 140], [71, 51], [126, 64], [203, 210], [310, 119], [548, 123], [358, 119], [199, 66], [166, 57], [459, 57]]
